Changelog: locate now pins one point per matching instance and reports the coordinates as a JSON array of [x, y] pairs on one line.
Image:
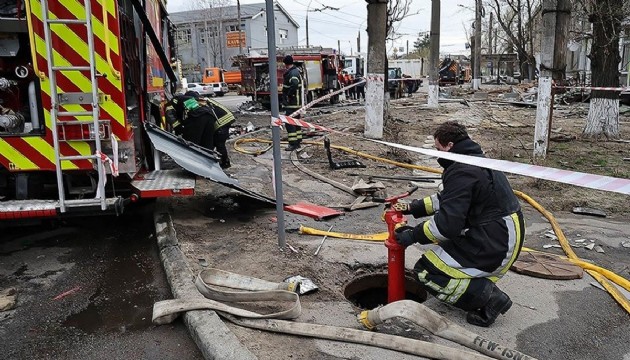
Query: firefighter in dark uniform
[[223, 119], [475, 234], [292, 100], [195, 123]]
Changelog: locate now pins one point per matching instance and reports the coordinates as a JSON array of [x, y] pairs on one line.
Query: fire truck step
[[71, 68], [78, 157], [67, 21]]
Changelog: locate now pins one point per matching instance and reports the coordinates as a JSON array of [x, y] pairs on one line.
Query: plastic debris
[[547, 246], [306, 285]]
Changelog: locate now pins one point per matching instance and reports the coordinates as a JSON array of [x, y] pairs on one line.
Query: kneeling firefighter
[[474, 235]]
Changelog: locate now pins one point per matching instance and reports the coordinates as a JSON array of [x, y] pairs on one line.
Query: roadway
[[86, 288]]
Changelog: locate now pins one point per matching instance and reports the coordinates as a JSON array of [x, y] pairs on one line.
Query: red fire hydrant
[[395, 252]]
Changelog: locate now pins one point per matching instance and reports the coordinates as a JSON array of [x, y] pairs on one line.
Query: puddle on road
[[128, 286]]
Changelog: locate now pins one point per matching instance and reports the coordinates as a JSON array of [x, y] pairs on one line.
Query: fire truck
[[320, 69], [82, 85]]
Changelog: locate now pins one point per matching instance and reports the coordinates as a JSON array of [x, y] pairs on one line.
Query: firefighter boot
[[499, 303], [292, 146]]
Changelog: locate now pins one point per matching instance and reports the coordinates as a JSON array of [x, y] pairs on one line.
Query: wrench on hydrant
[[395, 252]]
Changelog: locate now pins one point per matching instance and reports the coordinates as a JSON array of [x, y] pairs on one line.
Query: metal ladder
[[54, 111]]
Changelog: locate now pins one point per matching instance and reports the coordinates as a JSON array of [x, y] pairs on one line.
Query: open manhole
[[370, 290]]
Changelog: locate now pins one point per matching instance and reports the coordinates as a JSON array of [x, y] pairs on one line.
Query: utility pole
[[543, 109], [490, 44], [375, 89], [477, 64], [238, 10], [359, 43], [407, 47], [434, 55], [307, 42], [339, 47]]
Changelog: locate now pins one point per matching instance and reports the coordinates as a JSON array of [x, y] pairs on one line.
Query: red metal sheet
[[314, 211]]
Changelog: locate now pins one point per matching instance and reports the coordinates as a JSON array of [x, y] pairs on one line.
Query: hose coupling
[[363, 319]]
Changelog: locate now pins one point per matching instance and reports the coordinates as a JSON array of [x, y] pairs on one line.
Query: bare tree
[[606, 17], [397, 10], [211, 32], [517, 19]]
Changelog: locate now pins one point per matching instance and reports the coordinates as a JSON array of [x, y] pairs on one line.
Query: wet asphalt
[[86, 288]]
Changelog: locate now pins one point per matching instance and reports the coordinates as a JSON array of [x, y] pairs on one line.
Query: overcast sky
[[328, 26]]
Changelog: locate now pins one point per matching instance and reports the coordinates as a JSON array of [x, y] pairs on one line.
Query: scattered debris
[[66, 293], [322, 242], [547, 246], [8, 299], [590, 246], [551, 235], [306, 285], [589, 211], [626, 244], [599, 249], [341, 164], [203, 262], [292, 248]]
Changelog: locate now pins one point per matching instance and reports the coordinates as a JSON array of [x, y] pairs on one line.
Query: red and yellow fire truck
[[320, 70], [81, 82]]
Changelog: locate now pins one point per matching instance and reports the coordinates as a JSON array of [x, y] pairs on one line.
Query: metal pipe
[[32, 105]]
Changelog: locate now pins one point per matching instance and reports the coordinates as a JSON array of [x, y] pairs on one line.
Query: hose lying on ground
[[438, 325], [249, 289]]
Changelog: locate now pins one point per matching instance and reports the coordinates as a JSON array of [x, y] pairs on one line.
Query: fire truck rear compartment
[[20, 106]]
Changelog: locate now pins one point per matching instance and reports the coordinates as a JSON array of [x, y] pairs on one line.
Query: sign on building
[[232, 39]]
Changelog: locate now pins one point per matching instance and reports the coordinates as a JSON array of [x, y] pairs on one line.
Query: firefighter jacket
[[475, 216], [292, 88], [223, 116]]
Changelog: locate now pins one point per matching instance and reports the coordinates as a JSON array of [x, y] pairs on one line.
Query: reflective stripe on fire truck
[[15, 157]]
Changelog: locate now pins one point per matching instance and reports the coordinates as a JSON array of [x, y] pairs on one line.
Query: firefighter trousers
[[294, 132], [464, 287], [220, 137], [199, 131]]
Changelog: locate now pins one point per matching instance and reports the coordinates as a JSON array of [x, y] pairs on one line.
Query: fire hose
[[221, 288]]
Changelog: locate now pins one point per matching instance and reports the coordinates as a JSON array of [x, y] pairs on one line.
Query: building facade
[[210, 37]]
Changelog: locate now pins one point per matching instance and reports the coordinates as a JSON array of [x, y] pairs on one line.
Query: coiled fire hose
[[248, 289]]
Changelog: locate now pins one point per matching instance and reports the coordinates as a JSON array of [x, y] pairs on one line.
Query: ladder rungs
[[71, 68], [78, 157], [67, 21], [74, 113]]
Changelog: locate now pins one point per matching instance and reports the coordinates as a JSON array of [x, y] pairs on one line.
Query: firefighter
[[223, 119], [292, 100], [193, 122], [475, 234], [360, 87]]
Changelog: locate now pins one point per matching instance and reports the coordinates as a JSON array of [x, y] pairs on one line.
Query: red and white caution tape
[[593, 88], [283, 119], [591, 181], [323, 98], [106, 160]]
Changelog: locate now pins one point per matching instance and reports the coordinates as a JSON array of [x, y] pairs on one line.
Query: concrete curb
[[213, 338]]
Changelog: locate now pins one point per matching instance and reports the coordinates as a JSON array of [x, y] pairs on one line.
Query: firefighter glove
[[404, 236], [402, 206]]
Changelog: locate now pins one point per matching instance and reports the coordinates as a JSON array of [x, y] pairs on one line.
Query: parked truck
[[79, 130], [410, 67], [320, 69]]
